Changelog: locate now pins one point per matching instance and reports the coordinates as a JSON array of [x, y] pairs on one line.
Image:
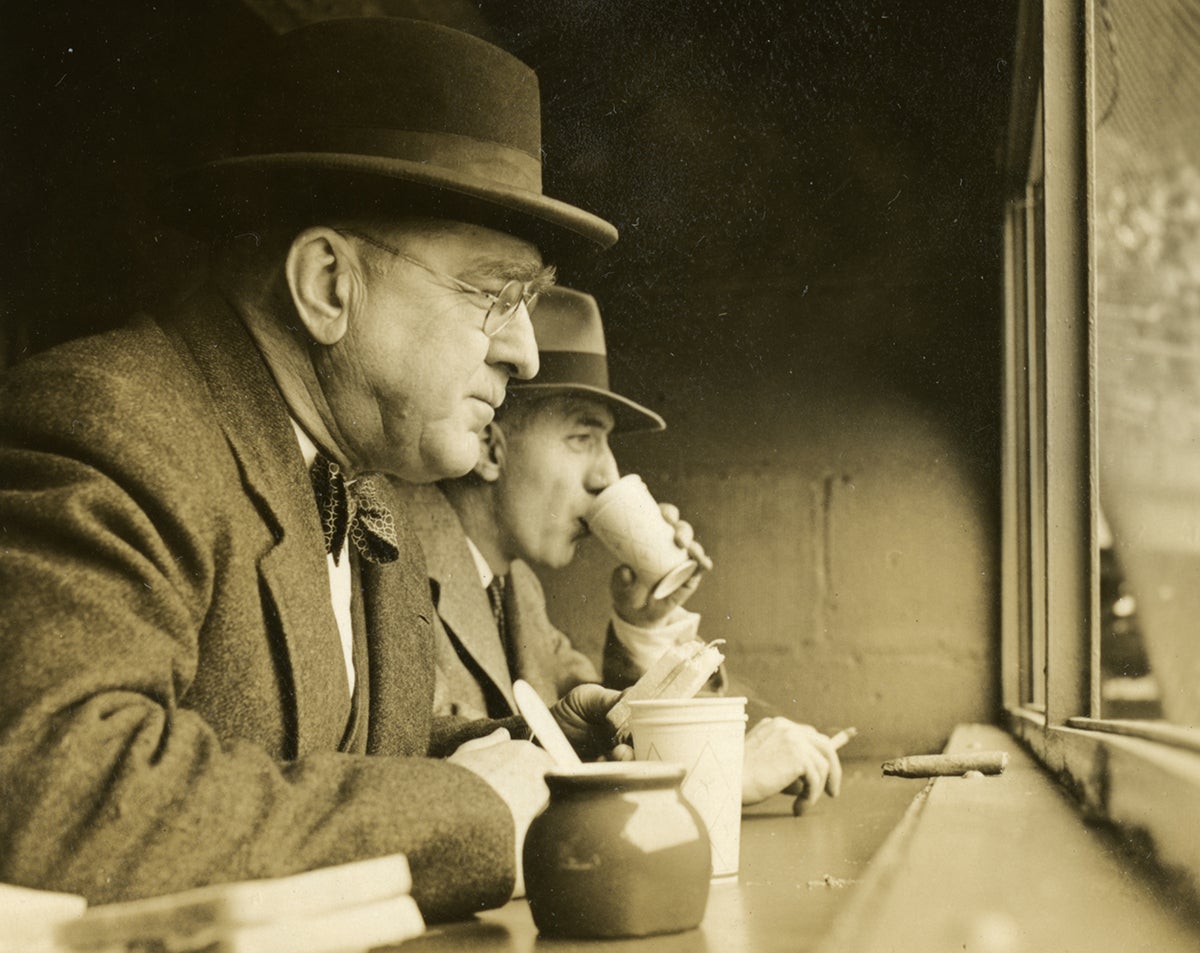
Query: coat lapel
[[532, 635], [294, 573], [399, 623], [528, 650], [462, 603]]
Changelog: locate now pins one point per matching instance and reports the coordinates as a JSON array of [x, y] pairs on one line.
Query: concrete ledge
[[1006, 864]]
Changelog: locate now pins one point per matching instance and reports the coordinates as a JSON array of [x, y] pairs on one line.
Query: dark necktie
[[495, 591], [353, 509]]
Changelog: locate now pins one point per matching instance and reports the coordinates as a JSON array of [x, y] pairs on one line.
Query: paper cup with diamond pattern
[[627, 520], [707, 736]]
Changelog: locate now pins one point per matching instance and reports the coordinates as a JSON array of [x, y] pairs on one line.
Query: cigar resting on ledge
[[943, 765]]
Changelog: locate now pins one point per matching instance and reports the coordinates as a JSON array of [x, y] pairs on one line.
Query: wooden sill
[[1006, 864], [1142, 780]]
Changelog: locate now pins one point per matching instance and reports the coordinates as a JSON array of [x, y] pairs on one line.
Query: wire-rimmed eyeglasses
[[502, 307]]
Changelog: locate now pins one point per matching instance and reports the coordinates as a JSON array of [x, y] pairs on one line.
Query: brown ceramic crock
[[617, 852]]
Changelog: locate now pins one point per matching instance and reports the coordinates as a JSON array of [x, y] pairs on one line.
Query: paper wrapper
[[680, 672]]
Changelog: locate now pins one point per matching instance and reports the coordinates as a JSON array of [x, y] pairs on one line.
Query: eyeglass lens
[[504, 308]]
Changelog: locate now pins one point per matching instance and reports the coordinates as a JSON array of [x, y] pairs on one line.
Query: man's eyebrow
[[598, 421], [539, 277]]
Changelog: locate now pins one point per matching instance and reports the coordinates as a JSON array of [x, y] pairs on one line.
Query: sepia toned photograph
[[673, 476]]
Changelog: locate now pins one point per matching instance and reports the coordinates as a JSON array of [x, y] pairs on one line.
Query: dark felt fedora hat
[[574, 360], [383, 115]]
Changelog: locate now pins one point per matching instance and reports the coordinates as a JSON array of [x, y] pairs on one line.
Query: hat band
[[572, 368], [499, 164]]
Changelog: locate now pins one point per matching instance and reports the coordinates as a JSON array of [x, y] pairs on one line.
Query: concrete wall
[[855, 566], [808, 287]]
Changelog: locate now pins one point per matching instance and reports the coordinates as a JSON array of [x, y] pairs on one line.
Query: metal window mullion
[[1091, 413], [1035, 355], [1012, 454], [1069, 433]]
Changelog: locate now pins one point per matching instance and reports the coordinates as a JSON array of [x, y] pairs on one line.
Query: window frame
[[1143, 778]]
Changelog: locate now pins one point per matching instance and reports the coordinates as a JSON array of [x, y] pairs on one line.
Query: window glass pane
[[1147, 250]]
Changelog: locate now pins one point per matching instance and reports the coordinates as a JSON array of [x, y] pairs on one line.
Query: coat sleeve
[[571, 667], [621, 670], [559, 665], [113, 787], [450, 731]]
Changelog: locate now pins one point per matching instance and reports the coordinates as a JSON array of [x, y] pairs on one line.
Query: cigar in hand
[[838, 740]]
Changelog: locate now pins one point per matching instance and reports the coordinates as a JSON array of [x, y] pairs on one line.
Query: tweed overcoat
[[173, 697]]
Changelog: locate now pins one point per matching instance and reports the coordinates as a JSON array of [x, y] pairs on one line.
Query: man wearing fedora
[[542, 461], [215, 634]]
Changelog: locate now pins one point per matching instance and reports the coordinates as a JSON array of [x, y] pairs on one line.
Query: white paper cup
[[627, 520], [707, 736]]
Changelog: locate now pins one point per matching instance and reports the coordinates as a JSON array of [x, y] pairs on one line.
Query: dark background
[[808, 284], [759, 158]]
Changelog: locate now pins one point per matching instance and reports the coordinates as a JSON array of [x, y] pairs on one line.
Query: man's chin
[[563, 558], [443, 461]]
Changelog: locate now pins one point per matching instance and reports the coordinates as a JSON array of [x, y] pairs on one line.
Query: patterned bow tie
[[353, 509]]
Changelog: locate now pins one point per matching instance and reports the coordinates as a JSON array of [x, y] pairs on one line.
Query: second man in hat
[[542, 462]]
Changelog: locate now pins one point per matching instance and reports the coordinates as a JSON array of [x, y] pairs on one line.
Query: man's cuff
[[646, 645]]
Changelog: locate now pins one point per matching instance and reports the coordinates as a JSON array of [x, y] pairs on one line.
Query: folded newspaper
[[349, 908], [30, 919]]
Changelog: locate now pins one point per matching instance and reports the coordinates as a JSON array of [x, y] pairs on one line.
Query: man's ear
[[491, 453], [320, 270]]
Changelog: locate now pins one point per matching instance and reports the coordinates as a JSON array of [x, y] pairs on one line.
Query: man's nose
[[516, 346], [604, 473]]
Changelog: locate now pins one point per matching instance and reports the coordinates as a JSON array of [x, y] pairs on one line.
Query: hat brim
[[227, 195], [628, 416]]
